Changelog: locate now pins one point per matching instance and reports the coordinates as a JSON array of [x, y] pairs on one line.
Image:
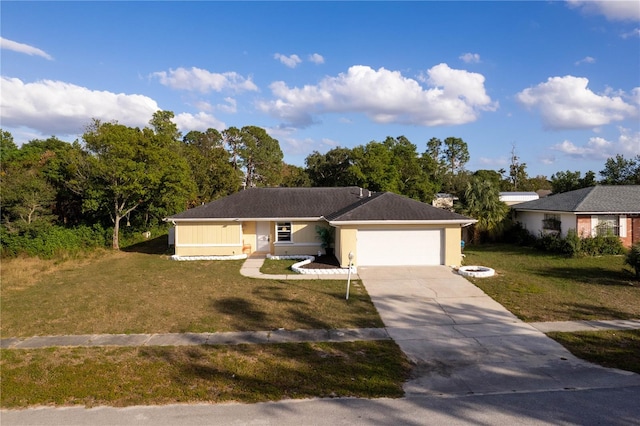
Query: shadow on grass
[[158, 245], [252, 373], [246, 315], [590, 275]]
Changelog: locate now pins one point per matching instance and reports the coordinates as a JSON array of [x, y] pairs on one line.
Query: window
[[551, 222], [608, 225], [283, 231]]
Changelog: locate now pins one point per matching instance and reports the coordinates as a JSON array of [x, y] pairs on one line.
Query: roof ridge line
[[358, 203], [584, 199]]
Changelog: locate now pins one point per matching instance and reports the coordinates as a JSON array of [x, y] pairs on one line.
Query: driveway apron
[[464, 342]]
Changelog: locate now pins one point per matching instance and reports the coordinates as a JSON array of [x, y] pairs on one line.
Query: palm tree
[[482, 202]]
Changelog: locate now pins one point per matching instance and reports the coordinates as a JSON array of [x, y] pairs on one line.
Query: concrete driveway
[[463, 342]]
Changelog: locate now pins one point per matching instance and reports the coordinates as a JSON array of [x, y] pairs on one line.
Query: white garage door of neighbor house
[[395, 247]]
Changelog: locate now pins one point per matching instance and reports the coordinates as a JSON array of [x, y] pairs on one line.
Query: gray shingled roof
[[341, 204], [595, 199], [389, 206]]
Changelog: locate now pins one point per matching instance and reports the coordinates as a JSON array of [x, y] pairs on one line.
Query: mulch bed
[[323, 262]]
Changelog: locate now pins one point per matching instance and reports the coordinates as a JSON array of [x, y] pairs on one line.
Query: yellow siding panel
[[207, 238]]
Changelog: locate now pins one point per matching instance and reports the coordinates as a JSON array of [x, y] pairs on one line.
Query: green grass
[[611, 348], [144, 292], [278, 267], [538, 286], [163, 375]]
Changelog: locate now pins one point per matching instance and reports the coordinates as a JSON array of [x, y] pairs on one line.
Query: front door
[[262, 237]]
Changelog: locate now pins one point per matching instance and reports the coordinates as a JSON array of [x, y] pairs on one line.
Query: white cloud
[[453, 97], [197, 79], [203, 106], [200, 121], [56, 107], [633, 33], [470, 58], [612, 10], [567, 103], [586, 60], [291, 61], [316, 58], [598, 148], [547, 159], [23, 48], [493, 162], [329, 142], [230, 106]]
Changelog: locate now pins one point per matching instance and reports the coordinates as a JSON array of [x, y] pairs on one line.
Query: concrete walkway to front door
[[464, 342]]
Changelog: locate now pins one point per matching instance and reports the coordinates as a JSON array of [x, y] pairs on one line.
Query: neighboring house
[[378, 228], [512, 198], [444, 201], [597, 210]]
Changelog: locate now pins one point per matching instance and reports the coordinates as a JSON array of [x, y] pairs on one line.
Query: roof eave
[[246, 219], [465, 222], [576, 212]]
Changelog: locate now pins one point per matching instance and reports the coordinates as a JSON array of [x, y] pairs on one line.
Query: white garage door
[[400, 247]]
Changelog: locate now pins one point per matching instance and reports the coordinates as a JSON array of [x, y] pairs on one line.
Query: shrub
[[571, 245], [49, 241], [517, 234], [633, 259]]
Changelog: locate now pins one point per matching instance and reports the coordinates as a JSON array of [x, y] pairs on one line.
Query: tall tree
[[334, 168], [621, 171], [414, 182], [569, 181], [130, 168], [262, 157], [517, 173], [28, 178], [433, 165], [233, 140], [445, 161], [163, 126], [456, 153], [294, 177], [213, 173], [374, 167]]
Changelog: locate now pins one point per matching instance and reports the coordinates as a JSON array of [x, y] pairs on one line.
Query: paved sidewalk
[[191, 339], [261, 337], [595, 325]]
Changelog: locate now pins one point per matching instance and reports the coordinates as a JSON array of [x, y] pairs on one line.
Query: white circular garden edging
[[190, 258], [476, 271], [297, 267]]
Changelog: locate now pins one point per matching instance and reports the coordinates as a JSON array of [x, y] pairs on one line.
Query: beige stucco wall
[[452, 246], [347, 241], [208, 239], [304, 239]]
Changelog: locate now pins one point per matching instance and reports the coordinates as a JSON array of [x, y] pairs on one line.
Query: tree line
[[124, 175]]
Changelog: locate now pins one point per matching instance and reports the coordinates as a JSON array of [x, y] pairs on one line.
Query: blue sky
[[559, 81]]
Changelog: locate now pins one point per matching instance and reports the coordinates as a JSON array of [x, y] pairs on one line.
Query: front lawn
[[142, 292], [204, 374], [538, 286], [610, 348]]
